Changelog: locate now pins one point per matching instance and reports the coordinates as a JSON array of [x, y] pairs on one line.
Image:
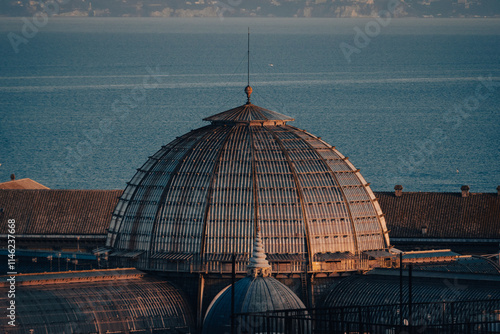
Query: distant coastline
[[259, 8]]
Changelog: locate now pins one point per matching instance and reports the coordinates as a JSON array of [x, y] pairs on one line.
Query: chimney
[[424, 230], [12, 177], [398, 190], [465, 191], [498, 190]]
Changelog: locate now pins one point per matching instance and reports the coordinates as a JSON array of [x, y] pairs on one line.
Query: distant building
[[21, 184], [57, 220], [465, 222]]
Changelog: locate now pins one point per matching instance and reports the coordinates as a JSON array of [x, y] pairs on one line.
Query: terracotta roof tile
[[446, 215], [73, 212]]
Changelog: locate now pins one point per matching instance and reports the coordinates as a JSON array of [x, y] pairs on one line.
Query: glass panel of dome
[[283, 211], [356, 193], [272, 166], [316, 143], [281, 133], [234, 201], [198, 177], [295, 144], [368, 242], [302, 154], [263, 140], [338, 165], [309, 166], [277, 195], [177, 152], [321, 194], [273, 180], [273, 156], [361, 209], [229, 162], [328, 154], [120, 208], [367, 225], [268, 155], [316, 180], [347, 179]]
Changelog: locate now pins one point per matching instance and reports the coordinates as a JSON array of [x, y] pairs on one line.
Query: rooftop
[[57, 212], [441, 215], [248, 113], [22, 184], [105, 301]]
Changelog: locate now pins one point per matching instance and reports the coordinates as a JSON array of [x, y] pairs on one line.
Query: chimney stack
[[12, 177], [424, 230], [398, 190], [465, 191]]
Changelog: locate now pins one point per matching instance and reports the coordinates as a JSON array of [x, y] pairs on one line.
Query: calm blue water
[[405, 109]]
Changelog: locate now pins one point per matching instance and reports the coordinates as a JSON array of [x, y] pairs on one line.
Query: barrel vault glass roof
[[205, 193]]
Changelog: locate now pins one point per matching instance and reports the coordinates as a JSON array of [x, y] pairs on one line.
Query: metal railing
[[479, 316]]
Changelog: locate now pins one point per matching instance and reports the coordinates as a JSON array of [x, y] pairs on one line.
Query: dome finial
[[248, 91], [258, 265]]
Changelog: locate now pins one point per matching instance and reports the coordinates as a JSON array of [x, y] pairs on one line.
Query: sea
[[85, 101]]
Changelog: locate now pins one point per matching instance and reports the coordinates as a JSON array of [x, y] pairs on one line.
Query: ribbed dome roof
[[199, 198]]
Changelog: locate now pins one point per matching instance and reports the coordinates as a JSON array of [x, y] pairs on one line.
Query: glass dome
[[200, 198]]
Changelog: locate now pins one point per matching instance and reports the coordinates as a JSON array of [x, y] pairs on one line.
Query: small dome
[[252, 294]]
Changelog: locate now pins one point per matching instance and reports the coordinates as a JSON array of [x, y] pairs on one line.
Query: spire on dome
[[258, 265], [248, 89]]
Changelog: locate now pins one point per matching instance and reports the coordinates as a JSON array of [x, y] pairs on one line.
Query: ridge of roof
[[25, 183], [434, 192]]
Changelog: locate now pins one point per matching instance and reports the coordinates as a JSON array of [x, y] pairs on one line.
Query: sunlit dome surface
[[199, 198]]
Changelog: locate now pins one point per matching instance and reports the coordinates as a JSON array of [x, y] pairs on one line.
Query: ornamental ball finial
[[248, 91]]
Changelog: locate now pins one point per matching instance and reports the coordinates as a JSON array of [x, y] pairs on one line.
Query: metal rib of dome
[[200, 198]]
